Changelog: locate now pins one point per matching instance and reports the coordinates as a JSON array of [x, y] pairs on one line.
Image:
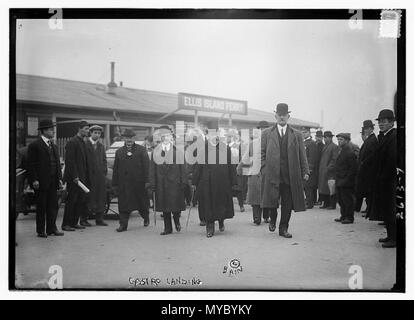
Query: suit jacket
[[346, 167], [270, 163], [38, 164], [76, 161]]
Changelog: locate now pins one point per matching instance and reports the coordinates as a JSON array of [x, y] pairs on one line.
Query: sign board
[[211, 104]]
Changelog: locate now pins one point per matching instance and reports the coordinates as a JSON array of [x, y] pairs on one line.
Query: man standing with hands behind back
[[284, 167]]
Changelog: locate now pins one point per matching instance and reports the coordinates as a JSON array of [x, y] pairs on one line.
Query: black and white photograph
[[207, 149]]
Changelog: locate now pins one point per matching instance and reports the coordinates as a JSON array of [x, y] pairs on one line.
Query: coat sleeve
[[115, 171], [70, 161], [263, 149], [332, 161], [59, 171], [353, 168], [32, 163], [152, 172], [146, 164], [231, 168], [302, 155], [104, 162]]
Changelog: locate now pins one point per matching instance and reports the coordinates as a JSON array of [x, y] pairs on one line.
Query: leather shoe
[[209, 234], [202, 223], [85, 224], [285, 234], [68, 228], [121, 229], [221, 227], [389, 244], [56, 233], [42, 235], [242, 209], [347, 221], [101, 223], [146, 221], [266, 220], [338, 220], [256, 222], [272, 227], [164, 233], [386, 239], [77, 226]]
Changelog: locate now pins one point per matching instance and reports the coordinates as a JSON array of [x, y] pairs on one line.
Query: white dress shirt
[[282, 130]]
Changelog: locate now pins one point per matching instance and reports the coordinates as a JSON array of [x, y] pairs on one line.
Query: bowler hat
[[319, 134], [346, 136], [46, 123], [282, 109], [367, 124], [95, 128], [128, 133], [386, 114], [262, 125], [328, 134]]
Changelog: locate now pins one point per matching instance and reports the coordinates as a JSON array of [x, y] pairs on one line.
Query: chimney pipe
[[112, 84]]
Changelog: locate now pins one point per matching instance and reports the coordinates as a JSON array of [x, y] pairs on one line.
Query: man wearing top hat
[[326, 171], [168, 179], [284, 167], [76, 173], [98, 170], [366, 168], [346, 167], [45, 177], [130, 180], [311, 149], [383, 206]]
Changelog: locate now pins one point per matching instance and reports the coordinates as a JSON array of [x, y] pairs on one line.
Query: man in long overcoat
[[168, 179], [130, 180], [383, 206], [76, 171], [45, 177], [366, 163], [346, 167], [311, 149], [284, 167], [319, 147], [326, 170], [98, 170], [214, 181]]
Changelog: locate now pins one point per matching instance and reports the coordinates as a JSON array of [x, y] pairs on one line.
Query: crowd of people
[[279, 166]]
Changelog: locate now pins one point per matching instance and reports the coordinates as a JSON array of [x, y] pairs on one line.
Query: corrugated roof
[[72, 93]]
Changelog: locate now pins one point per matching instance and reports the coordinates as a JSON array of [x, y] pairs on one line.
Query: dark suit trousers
[[310, 196], [124, 217], [345, 196], [167, 220], [76, 206], [286, 208], [46, 208]]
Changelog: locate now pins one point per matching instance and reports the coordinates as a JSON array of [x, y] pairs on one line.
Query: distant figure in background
[[76, 170], [326, 171], [45, 177], [311, 149], [346, 167], [366, 165], [130, 180], [319, 145], [98, 169], [383, 204]]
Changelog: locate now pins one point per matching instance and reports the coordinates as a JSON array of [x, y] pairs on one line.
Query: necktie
[[49, 144], [282, 133]]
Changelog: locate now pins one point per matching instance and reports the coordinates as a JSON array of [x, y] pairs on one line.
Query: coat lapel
[[290, 136], [275, 136]]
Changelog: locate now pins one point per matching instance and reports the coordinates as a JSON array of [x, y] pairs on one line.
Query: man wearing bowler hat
[[346, 167], [45, 177], [366, 168], [130, 180], [76, 173], [383, 205], [98, 170], [283, 167], [326, 171]]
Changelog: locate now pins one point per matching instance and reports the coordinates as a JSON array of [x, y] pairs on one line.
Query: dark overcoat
[[366, 170], [327, 166], [311, 149], [214, 183], [130, 174], [97, 172], [38, 164], [383, 206], [169, 180], [76, 161], [270, 170], [346, 167]]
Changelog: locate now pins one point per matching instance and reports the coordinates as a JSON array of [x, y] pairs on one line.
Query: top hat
[[367, 124], [95, 128], [282, 109], [46, 123], [346, 136], [319, 134], [328, 134], [263, 125], [128, 133], [386, 114]]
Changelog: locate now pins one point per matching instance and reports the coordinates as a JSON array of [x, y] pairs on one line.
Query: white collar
[[166, 147], [308, 138], [282, 129], [46, 140], [92, 141], [385, 133]]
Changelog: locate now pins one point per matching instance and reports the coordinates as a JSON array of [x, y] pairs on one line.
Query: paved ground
[[317, 257]]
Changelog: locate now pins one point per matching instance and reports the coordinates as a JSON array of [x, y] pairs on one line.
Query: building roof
[[78, 94]]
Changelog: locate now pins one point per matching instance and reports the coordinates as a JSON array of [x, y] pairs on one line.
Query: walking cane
[[153, 207], [189, 209]]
